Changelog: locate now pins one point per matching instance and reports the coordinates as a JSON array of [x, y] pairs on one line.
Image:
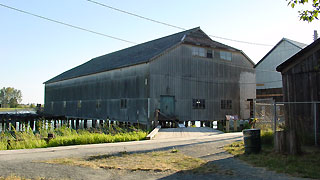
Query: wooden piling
[[2, 123], [207, 123], [68, 122], [14, 123], [77, 123], [36, 128], [193, 123], [72, 123], [85, 124], [94, 123], [121, 124], [32, 124], [108, 123], [7, 124], [101, 123]]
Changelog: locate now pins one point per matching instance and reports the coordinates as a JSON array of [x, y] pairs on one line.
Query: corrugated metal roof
[[137, 54]]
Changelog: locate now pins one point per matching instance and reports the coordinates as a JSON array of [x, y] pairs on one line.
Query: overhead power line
[[170, 25], [66, 24], [136, 15], [101, 34]]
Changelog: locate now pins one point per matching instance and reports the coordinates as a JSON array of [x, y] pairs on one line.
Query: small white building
[[269, 81]]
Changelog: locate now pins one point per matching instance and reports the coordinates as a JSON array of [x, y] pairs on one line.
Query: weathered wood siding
[[100, 95], [180, 74], [301, 83]]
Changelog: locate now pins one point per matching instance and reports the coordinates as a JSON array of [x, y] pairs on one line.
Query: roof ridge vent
[[184, 36]]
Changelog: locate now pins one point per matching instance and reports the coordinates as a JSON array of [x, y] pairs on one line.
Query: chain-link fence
[[268, 115], [302, 117]]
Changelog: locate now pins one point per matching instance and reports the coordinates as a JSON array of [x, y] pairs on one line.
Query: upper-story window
[[64, 104], [198, 51], [123, 103], [98, 104], [79, 104], [226, 55], [209, 53], [202, 52]]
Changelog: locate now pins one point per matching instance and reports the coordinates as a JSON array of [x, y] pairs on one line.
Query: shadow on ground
[[228, 168]]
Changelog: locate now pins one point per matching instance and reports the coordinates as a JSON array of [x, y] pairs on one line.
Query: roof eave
[[283, 39]]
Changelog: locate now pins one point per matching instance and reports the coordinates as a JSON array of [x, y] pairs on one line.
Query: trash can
[[252, 142]]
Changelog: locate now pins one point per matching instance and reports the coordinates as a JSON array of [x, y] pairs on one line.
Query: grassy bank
[[14, 109], [65, 136], [306, 165], [157, 161]]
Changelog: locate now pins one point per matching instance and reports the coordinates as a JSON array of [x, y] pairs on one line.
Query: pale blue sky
[[33, 50]]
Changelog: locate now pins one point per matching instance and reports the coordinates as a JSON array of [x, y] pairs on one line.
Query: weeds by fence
[[303, 117], [65, 136]]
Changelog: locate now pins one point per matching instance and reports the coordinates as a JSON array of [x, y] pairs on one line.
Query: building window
[[226, 55], [123, 103], [198, 104], [198, 51], [79, 104], [98, 104], [226, 104], [209, 53]]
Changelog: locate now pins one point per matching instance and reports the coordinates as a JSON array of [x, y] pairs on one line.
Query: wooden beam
[[268, 95]]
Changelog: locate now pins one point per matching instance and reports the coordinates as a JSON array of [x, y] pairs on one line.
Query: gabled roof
[[295, 57], [294, 43], [138, 54]]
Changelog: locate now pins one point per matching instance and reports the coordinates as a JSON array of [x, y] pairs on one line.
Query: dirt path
[[207, 146]]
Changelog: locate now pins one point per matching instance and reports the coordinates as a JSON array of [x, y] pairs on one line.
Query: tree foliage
[[10, 97], [307, 14]]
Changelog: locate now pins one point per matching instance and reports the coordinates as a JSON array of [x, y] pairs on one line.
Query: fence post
[[275, 117], [254, 108], [315, 123]]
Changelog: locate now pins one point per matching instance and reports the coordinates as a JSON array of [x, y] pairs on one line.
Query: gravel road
[[201, 144]]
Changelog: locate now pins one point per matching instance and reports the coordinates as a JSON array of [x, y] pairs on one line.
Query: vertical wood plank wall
[[178, 73]]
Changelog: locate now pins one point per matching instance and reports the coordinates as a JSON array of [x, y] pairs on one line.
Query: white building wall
[[266, 75], [247, 91]]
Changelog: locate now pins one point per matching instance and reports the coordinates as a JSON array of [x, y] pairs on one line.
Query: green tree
[[10, 97], [307, 14], [32, 105]]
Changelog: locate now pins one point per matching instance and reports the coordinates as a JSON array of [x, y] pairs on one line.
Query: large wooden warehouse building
[[186, 75]]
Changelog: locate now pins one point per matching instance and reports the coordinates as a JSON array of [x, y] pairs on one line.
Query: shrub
[[246, 125]]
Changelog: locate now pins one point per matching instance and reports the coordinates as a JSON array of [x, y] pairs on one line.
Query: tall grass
[[267, 137], [3, 141], [95, 138], [65, 136]]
